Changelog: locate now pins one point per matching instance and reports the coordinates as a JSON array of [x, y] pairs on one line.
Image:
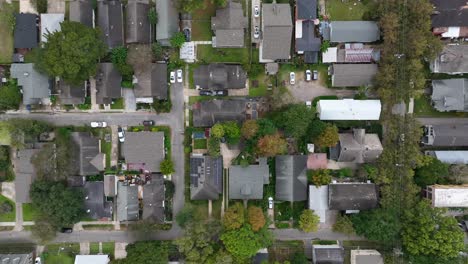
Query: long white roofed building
[[349, 109]]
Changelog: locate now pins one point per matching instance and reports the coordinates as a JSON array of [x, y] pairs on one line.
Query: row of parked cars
[[309, 75], [173, 76], [120, 130], [214, 93]]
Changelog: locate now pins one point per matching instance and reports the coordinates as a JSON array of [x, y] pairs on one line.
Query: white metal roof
[[452, 32], [50, 23], [318, 201], [452, 156], [330, 56], [187, 52], [92, 259], [450, 196], [349, 109]]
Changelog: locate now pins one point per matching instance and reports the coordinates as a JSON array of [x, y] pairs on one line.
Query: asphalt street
[[444, 121]]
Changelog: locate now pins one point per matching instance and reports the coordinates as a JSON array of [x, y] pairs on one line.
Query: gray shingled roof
[[152, 81], [95, 205], [353, 75], [168, 21], [291, 178], [153, 199], [308, 42], [448, 135], [108, 85], [127, 202], [449, 13], [228, 25], [357, 147], [26, 31], [246, 183], [277, 31], [208, 113], [91, 161], [146, 148], [35, 85], [218, 76], [71, 94], [82, 11], [110, 21], [206, 177], [352, 196], [109, 185], [354, 31], [16, 258], [306, 9], [25, 174], [450, 94], [138, 25], [451, 60], [328, 254]]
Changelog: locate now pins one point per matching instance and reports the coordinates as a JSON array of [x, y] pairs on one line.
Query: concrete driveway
[[129, 100], [56, 6]]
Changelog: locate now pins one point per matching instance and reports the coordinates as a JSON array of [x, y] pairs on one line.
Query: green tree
[[244, 243], [11, 96], [167, 167], [256, 218], [433, 172], [186, 215], [72, 53], [379, 224], [219, 3], [343, 225], [177, 40], [271, 145], [295, 120], [157, 50], [266, 127], [119, 59], [213, 147], [234, 217], [217, 130], [188, 6], [329, 137], [325, 45], [299, 258], [308, 221], [249, 129], [44, 229], [319, 177], [315, 129], [153, 16], [232, 132], [146, 252]]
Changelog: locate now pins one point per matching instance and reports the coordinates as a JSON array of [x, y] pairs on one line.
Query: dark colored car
[[148, 123], [187, 35], [207, 93], [66, 230]]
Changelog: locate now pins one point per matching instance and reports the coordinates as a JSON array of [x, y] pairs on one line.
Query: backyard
[[199, 143], [208, 54], [7, 217], [348, 10], [201, 25], [6, 30]]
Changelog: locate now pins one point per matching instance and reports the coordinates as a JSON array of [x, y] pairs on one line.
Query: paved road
[[443, 121]]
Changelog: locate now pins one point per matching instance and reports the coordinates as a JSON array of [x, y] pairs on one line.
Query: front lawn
[[209, 54], [58, 259], [6, 31], [199, 144], [61, 253], [106, 148], [348, 10], [118, 104], [7, 217], [107, 248], [29, 212]]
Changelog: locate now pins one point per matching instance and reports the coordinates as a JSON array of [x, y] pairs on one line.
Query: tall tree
[[319, 177], [146, 252], [256, 218], [72, 53], [234, 217], [249, 129], [167, 167], [329, 137], [188, 6], [177, 40], [217, 130], [232, 132], [244, 243], [379, 224], [271, 145], [433, 171], [295, 120], [308, 221]]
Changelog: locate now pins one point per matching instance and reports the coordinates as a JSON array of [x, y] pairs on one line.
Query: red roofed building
[[317, 161]]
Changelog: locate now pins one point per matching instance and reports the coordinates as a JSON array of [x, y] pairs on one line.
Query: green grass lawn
[[8, 217], [58, 259], [98, 227], [423, 107], [106, 148], [338, 10], [29, 212], [93, 248], [118, 104], [63, 253], [6, 31], [209, 54], [262, 88], [107, 248], [199, 144], [209, 10], [5, 138], [201, 30]]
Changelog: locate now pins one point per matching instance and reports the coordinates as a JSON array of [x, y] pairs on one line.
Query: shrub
[[6, 207]]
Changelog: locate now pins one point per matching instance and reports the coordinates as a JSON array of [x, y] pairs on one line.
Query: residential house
[[168, 21], [50, 23], [111, 23], [318, 201], [450, 95], [307, 42], [153, 199], [450, 156], [349, 109], [229, 26], [89, 159], [450, 18], [453, 135], [95, 205], [246, 183], [354, 31], [316, 161], [353, 75], [218, 76], [69, 94], [352, 196], [34, 85], [206, 177], [143, 150], [108, 83], [276, 32], [138, 24], [452, 60], [208, 113], [26, 258], [366, 256], [291, 178], [26, 31], [127, 202], [357, 147], [82, 11], [447, 196], [94, 259], [327, 254], [110, 185], [351, 53], [151, 83]]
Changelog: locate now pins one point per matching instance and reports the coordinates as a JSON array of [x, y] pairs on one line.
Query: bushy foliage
[[213, 146], [319, 177], [177, 40], [343, 225], [256, 218], [249, 129], [432, 172], [271, 145], [329, 137], [294, 120], [234, 217], [167, 167], [308, 221]]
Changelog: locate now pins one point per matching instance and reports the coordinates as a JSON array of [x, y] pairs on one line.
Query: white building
[[92, 259], [349, 109], [368, 256], [448, 195], [451, 156]]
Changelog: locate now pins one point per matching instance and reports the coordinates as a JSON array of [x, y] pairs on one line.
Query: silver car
[[256, 32]]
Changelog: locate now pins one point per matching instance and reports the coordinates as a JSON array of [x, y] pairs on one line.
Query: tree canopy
[[177, 40], [167, 167], [308, 221], [249, 129], [146, 252], [256, 218], [11, 96], [244, 243], [234, 217], [432, 172], [319, 177], [271, 145], [379, 225], [295, 120], [329, 137]]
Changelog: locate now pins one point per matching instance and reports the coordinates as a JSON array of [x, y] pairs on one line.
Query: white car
[[179, 75], [270, 202], [308, 75], [292, 78], [172, 77], [256, 32], [256, 11], [121, 134], [98, 124]]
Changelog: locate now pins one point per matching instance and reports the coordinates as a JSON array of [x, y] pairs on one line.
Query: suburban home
[[143, 150], [218, 76], [327, 254], [307, 42], [168, 21], [452, 60], [351, 53], [349, 109], [108, 83], [450, 156], [95, 259], [261, 256], [276, 32], [354, 31], [69, 94], [25, 173], [366, 256], [352, 197], [95, 205], [89, 159], [151, 83], [229, 26], [34, 85], [450, 18], [111, 23], [450, 95], [153, 199], [110, 185], [318, 201], [208, 113], [447, 196], [82, 11], [246, 183], [445, 136], [357, 147], [127, 202], [291, 178], [17, 258], [138, 25], [26, 31], [353, 75], [50, 23], [317, 161], [206, 177]]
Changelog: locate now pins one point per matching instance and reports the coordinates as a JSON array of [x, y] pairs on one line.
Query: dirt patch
[[139, 56], [228, 154]]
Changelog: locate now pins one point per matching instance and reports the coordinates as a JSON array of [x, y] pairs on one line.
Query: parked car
[[256, 11], [121, 134], [187, 34], [148, 123], [98, 124], [315, 75], [37, 260], [67, 230], [308, 75], [270, 202], [221, 93], [206, 93], [256, 32], [179, 75], [292, 78], [172, 78]]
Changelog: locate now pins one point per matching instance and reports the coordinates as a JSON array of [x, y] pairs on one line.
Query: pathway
[[84, 248], [129, 99], [19, 217], [115, 146], [94, 105]]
